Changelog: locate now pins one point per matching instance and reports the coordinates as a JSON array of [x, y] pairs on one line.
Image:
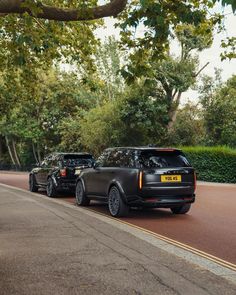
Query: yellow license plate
[[171, 178]]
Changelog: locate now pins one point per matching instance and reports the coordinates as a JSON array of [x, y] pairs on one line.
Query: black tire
[[116, 205], [181, 209], [51, 190], [80, 195], [32, 184]]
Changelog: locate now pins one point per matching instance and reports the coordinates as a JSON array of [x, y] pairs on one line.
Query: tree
[[34, 119], [144, 116], [219, 107], [109, 60], [188, 129], [175, 75], [100, 128], [158, 17], [41, 10], [139, 117]]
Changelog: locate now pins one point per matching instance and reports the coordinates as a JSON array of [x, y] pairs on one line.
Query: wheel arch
[[119, 186], [32, 174], [82, 181]]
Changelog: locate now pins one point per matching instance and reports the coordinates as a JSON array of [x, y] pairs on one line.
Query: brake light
[[140, 181], [63, 172], [195, 180]]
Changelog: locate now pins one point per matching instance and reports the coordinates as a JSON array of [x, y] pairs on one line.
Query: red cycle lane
[[210, 226]]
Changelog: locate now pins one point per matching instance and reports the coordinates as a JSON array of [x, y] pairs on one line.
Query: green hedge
[[216, 164]]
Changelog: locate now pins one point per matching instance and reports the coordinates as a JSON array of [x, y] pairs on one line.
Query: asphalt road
[[52, 247], [210, 226]]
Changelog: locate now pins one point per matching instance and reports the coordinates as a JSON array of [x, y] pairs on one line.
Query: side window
[[45, 163], [121, 158], [129, 158], [115, 158], [102, 161], [49, 161], [54, 161], [60, 162]]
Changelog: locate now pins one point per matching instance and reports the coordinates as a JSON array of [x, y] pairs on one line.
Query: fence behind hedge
[[216, 164]]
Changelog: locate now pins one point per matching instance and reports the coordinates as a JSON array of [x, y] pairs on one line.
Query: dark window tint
[[128, 158], [77, 160], [121, 158], [162, 159], [54, 161], [46, 162], [102, 161]]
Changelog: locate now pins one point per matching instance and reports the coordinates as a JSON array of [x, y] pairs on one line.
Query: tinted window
[[162, 159], [121, 158], [77, 160], [115, 158], [102, 161], [54, 161], [46, 162], [128, 158]]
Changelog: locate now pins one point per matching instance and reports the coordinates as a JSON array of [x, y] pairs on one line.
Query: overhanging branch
[[199, 72], [62, 14]]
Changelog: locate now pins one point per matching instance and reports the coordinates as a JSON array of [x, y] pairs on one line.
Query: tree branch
[[62, 14], [195, 76]]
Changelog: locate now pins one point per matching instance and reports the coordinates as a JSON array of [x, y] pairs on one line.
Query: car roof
[[145, 148]]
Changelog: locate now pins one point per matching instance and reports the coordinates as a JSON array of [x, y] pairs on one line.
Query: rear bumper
[[160, 202], [185, 190], [162, 197], [66, 184]]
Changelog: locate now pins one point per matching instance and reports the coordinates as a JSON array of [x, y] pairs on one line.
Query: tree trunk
[[1, 147], [39, 154], [173, 112], [173, 116], [34, 152], [15, 153], [10, 151]]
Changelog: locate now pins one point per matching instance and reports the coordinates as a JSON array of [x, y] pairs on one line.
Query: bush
[[216, 164]]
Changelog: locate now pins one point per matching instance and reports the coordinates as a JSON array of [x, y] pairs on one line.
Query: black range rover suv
[[58, 172], [139, 177]]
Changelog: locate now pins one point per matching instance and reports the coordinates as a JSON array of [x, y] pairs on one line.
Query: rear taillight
[[140, 180], [63, 172], [195, 180]]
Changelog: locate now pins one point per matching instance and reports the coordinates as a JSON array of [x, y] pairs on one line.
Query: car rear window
[[162, 159], [77, 160]]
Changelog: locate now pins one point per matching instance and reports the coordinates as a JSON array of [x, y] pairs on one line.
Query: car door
[[126, 173], [96, 178], [108, 172], [39, 172], [45, 169]]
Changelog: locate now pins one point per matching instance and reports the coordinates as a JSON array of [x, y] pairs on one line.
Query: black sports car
[[139, 177], [58, 172]]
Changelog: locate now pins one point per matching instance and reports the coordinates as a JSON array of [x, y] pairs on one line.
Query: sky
[[211, 55]]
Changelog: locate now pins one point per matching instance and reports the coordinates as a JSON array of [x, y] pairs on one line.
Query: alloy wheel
[[79, 192], [114, 201]]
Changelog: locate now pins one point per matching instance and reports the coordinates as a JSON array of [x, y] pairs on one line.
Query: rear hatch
[[166, 172], [73, 164]]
